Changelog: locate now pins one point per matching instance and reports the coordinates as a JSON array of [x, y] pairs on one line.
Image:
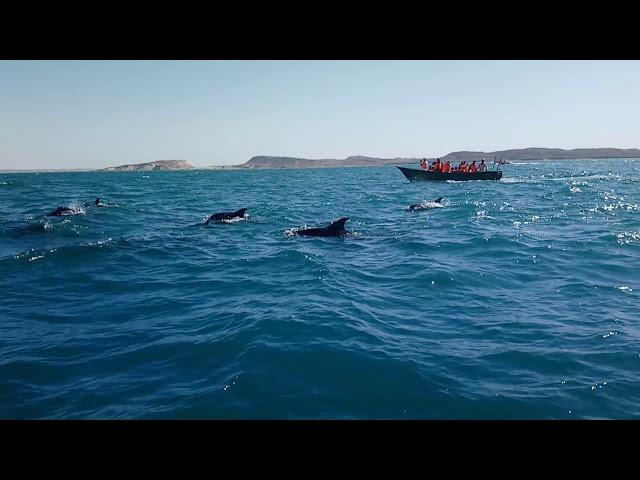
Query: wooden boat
[[415, 175]]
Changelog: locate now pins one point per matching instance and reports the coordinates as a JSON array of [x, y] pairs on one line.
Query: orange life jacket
[[473, 168]]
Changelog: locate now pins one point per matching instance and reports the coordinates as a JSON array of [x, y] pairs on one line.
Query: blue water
[[516, 299]]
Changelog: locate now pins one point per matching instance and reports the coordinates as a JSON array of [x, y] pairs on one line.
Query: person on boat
[[463, 167], [446, 168], [473, 168], [482, 167], [438, 166], [423, 164]]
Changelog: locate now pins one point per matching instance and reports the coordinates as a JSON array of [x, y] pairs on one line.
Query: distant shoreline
[[51, 170], [254, 167]]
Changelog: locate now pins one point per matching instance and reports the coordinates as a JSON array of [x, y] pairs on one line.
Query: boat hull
[[415, 175]]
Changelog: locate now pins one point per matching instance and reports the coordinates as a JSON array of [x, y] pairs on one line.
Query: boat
[[415, 175]]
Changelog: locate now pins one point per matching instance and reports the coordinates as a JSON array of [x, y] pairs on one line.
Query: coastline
[[50, 170], [254, 168]]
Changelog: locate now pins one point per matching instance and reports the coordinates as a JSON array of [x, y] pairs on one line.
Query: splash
[[516, 180], [236, 220], [74, 209], [426, 204]]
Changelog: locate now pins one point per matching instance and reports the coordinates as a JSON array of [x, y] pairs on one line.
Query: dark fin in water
[[338, 225], [438, 200]]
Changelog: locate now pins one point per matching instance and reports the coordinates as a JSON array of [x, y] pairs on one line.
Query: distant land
[[157, 165], [512, 155], [264, 162], [293, 162], [545, 154], [46, 170]]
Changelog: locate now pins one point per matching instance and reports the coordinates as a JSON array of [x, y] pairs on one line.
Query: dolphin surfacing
[[218, 217], [423, 206], [336, 229], [58, 212]]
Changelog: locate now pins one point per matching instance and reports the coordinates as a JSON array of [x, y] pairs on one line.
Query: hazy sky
[[74, 114]]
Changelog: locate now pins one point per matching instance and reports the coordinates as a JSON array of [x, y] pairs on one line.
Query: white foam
[[609, 176], [292, 231], [74, 209], [236, 220], [516, 180], [428, 204], [482, 214], [100, 243]]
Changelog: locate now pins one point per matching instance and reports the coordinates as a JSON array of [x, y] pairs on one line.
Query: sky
[[94, 114]]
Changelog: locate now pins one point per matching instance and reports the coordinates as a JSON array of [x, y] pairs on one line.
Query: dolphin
[[58, 212], [422, 206], [336, 229], [217, 217]]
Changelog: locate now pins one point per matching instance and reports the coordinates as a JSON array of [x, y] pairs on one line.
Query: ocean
[[515, 299]]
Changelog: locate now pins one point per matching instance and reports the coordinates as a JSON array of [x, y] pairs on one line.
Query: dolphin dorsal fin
[[438, 200], [338, 224]]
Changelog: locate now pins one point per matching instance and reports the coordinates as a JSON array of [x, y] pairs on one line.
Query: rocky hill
[[545, 154], [293, 162], [157, 165]]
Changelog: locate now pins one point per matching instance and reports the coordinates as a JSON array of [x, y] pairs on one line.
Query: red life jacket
[[473, 168]]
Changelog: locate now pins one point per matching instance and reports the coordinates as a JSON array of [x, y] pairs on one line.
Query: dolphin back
[[226, 216], [57, 212]]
